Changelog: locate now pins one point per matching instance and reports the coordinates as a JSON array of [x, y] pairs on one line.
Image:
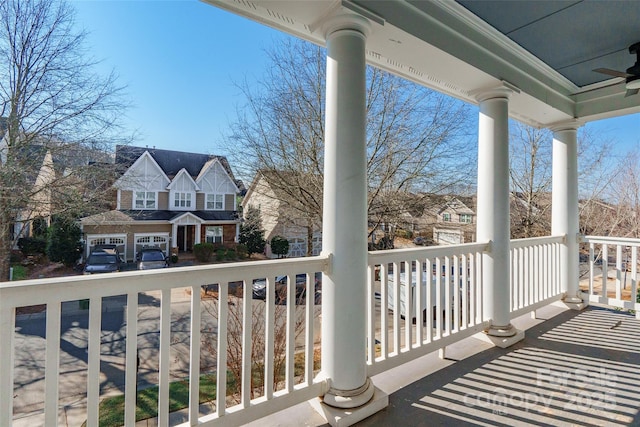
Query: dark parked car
[[260, 289], [102, 261], [150, 258]]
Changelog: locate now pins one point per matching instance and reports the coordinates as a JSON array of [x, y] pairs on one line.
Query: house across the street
[[168, 199]]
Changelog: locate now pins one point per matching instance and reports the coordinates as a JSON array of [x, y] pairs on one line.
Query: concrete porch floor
[[572, 368]]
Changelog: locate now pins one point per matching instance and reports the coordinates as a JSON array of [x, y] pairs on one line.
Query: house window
[[215, 202], [182, 200], [145, 200], [466, 218], [213, 234], [446, 217]]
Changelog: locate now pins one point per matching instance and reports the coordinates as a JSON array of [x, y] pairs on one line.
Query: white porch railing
[[265, 400], [405, 321], [535, 273], [610, 265]]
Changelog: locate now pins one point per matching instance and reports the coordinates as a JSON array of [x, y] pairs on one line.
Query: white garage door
[[151, 240], [119, 240]]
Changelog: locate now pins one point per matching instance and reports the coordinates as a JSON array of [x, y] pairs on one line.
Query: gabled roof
[[189, 177], [209, 164], [170, 161]]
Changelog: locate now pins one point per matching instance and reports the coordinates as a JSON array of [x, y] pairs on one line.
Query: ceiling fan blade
[[610, 72], [631, 92]]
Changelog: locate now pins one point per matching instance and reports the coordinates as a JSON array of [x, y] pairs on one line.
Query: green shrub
[[221, 253], [242, 251], [231, 254], [63, 243], [32, 245], [203, 251], [279, 246], [174, 258]]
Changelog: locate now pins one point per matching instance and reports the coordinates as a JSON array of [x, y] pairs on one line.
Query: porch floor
[[572, 368]]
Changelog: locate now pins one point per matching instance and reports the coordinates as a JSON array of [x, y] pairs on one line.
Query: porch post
[[493, 213], [198, 232], [564, 208], [344, 234], [174, 236]]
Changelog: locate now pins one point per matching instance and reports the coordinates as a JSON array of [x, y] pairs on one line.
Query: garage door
[[119, 240], [151, 240]]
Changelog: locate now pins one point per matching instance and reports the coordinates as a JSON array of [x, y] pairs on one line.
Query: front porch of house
[[577, 368], [168, 319]]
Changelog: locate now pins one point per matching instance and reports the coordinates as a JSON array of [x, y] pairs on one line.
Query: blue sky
[[179, 60]]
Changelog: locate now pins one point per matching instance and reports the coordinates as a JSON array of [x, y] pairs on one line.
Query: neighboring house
[[444, 219], [280, 219], [455, 222], [38, 179], [168, 199]]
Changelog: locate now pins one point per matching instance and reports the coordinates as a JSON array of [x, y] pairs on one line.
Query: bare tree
[[56, 116], [417, 139], [531, 178], [530, 173]]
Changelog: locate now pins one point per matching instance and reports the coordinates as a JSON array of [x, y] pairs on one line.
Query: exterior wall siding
[[229, 200], [163, 200], [199, 201], [126, 199]]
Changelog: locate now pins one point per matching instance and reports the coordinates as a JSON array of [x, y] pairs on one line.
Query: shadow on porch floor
[[572, 368], [577, 368]]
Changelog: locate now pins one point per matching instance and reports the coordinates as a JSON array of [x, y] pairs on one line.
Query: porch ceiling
[[546, 49]]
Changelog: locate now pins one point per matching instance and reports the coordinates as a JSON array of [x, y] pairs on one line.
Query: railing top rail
[[395, 255], [629, 241], [40, 291], [535, 241]]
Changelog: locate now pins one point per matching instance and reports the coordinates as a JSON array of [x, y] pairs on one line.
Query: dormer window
[[446, 217], [465, 218], [145, 200], [215, 202], [182, 200]]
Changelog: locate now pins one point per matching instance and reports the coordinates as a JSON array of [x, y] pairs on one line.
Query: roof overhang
[[443, 46]]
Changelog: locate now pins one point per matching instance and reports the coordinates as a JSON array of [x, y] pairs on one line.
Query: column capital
[[504, 90], [570, 124], [346, 21]]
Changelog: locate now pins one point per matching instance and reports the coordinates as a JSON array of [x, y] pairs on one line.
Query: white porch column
[[564, 208], [493, 213], [344, 231], [174, 236], [198, 233]]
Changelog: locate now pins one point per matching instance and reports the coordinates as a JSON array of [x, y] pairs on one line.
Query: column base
[[502, 336], [575, 302], [347, 416]]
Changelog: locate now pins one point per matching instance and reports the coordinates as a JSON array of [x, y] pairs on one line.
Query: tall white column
[[344, 233], [564, 208], [493, 211]]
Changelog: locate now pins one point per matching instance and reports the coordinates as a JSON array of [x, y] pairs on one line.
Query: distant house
[[281, 219], [35, 163], [443, 219], [168, 199]]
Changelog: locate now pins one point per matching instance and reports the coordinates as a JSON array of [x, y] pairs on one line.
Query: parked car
[[260, 289], [151, 258], [102, 261]]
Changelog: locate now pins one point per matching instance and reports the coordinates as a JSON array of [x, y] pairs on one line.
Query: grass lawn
[[19, 272], [111, 410]]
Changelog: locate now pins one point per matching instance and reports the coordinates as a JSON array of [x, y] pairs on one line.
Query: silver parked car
[[150, 258]]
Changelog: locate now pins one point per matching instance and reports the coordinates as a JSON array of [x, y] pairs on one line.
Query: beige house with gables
[[168, 199]]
